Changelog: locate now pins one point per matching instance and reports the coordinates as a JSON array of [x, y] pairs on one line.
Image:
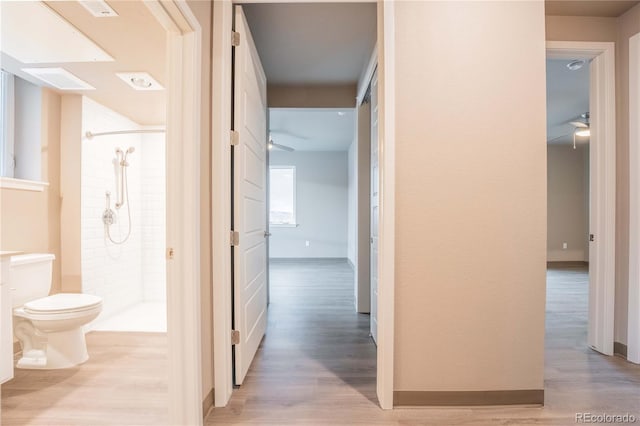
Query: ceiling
[[567, 98], [134, 39], [606, 8], [313, 43], [313, 129]]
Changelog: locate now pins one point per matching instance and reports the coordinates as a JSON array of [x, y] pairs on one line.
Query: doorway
[[594, 244], [568, 196], [313, 205], [224, 359], [179, 37]]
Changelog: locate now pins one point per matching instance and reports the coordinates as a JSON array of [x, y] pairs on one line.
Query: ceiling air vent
[[99, 8], [59, 78]]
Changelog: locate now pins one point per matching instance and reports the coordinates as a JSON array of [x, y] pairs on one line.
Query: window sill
[[283, 225], [22, 184]]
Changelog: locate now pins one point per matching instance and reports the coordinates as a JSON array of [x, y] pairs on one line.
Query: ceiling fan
[[581, 128], [272, 145]]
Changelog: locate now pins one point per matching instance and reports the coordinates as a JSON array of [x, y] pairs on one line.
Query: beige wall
[[70, 179], [471, 199], [363, 179], [203, 12], [567, 203], [580, 28], [30, 221], [327, 96], [618, 30]]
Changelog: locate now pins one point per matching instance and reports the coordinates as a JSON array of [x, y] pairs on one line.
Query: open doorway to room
[[568, 194], [312, 259], [581, 208], [95, 93], [565, 97], [304, 78]]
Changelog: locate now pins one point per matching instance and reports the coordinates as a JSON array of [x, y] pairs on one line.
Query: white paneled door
[[249, 199], [375, 201]]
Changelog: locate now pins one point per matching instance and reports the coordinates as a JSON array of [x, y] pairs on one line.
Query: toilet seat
[[62, 303]]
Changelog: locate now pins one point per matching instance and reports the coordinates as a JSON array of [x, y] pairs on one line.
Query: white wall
[[153, 217], [322, 188], [352, 203], [567, 203], [132, 272]]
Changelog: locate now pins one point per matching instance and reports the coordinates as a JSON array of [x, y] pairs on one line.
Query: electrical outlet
[[306, 243], [565, 246]]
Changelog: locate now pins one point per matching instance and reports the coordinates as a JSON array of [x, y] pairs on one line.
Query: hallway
[[316, 365], [316, 355]]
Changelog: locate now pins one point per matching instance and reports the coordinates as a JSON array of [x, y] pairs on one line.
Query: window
[[21, 129], [282, 195]]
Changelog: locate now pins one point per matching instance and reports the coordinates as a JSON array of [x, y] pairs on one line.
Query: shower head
[[130, 150]]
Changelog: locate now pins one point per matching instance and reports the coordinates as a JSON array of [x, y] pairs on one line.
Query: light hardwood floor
[[123, 383], [316, 366]]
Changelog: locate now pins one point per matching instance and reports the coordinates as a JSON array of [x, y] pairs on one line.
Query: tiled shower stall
[[130, 277]]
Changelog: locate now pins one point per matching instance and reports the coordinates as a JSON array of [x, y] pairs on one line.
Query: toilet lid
[[63, 302]]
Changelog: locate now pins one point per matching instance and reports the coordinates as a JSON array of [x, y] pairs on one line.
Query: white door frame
[[603, 182], [183, 212], [633, 328], [221, 198]]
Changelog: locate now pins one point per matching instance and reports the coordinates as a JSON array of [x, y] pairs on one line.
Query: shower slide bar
[[91, 135]]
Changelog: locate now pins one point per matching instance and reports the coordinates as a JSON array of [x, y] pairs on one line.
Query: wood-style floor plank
[[316, 366], [124, 382]]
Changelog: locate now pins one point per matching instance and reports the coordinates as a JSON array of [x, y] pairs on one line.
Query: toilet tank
[[30, 277]]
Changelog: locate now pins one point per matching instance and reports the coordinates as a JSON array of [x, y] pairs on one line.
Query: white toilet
[[48, 327]]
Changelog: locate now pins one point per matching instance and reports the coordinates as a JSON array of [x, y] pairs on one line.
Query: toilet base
[[55, 350]]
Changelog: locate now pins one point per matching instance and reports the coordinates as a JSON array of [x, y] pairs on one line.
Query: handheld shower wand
[[108, 216]]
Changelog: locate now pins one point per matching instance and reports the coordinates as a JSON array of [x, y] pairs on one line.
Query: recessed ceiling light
[[140, 80], [99, 8], [341, 113], [59, 78], [576, 65]]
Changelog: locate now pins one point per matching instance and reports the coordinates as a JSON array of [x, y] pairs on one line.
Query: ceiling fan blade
[[285, 133], [282, 147], [579, 124], [559, 137]]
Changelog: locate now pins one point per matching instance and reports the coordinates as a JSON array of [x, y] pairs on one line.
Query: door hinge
[[235, 337], [235, 39], [235, 238], [170, 253], [235, 138], [592, 237]]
